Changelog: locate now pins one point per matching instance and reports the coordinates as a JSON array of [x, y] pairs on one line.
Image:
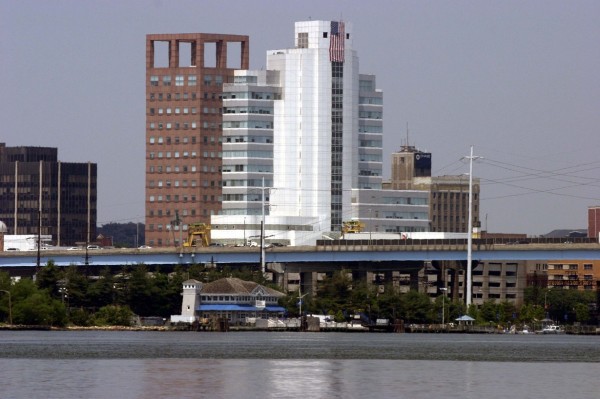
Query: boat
[[552, 329]]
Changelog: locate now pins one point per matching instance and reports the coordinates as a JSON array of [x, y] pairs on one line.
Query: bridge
[[325, 256]]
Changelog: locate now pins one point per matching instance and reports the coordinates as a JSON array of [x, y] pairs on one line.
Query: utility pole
[[468, 291], [262, 231]]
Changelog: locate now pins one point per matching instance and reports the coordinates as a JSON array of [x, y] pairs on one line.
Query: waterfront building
[[327, 127], [574, 274], [232, 299], [184, 128], [40, 195]]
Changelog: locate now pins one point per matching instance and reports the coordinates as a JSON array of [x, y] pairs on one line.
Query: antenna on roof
[[407, 142]]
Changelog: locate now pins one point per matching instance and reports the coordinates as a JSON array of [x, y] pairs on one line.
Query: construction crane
[[352, 226], [198, 235]]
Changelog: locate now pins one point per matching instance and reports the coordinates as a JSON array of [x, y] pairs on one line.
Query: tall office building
[[409, 165], [316, 126], [248, 140], [41, 195], [448, 195], [327, 137], [184, 128]]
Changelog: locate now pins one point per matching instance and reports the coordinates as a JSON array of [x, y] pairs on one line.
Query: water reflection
[[291, 365]]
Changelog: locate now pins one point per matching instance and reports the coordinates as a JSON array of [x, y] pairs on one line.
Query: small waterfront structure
[[232, 299], [465, 320]]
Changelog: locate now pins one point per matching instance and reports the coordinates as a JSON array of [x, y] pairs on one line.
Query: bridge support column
[[308, 283]]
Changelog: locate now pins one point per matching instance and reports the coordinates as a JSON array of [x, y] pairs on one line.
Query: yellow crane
[[198, 235], [352, 226]]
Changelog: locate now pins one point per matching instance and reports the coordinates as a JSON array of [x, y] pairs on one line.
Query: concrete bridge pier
[[308, 283]]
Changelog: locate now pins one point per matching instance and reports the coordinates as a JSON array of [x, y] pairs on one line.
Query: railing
[[454, 243]]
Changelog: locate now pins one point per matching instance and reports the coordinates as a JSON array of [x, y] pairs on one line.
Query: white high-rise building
[[316, 125], [327, 140]]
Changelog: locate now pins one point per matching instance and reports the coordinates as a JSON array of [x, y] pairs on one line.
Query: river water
[[110, 364]]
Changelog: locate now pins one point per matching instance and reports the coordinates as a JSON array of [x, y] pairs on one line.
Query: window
[[166, 81], [153, 80], [303, 40], [191, 82], [179, 80]]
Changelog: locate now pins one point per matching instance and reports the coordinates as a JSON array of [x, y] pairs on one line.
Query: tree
[[48, 277], [113, 315], [416, 307], [102, 292], [33, 306], [75, 288]]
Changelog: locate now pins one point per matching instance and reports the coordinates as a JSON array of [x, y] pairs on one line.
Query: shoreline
[[6, 327]]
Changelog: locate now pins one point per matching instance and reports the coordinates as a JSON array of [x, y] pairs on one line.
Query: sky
[[517, 80]]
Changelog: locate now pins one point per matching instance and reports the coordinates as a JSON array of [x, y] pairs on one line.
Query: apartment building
[[185, 74]]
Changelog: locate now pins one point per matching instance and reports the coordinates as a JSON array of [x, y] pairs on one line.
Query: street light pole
[[9, 307], [444, 290]]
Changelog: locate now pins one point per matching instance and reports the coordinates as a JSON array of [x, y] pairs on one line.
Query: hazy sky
[[519, 80]]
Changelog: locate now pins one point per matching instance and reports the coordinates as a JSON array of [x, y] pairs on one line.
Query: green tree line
[[61, 296]]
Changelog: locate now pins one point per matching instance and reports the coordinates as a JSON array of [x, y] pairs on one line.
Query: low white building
[[228, 298]]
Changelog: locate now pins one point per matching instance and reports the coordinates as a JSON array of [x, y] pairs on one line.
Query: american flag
[[336, 42]]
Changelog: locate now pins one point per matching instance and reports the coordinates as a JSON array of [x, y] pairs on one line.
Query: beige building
[[448, 195]]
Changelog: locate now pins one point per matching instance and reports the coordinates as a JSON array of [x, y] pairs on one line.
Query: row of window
[[371, 143], [242, 197], [242, 211], [184, 169], [183, 96], [185, 140], [369, 172], [248, 168], [249, 139], [247, 183], [250, 95], [176, 111], [371, 158], [404, 215], [248, 154], [180, 80], [182, 154], [370, 100], [174, 183], [247, 125], [248, 110], [169, 212], [175, 125], [571, 266], [404, 200], [236, 299], [370, 114], [570, 277], [183, 198], [369, 128]]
